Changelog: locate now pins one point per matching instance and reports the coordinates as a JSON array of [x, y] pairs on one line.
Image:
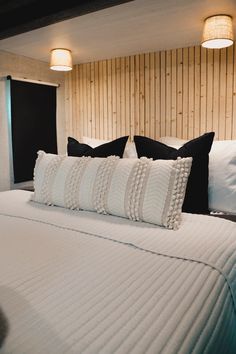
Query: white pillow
[[222, 173], [138, 189], [130, 149], [172, 141]]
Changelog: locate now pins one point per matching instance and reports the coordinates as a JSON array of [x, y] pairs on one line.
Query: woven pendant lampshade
[[218, 32], [61, 59]]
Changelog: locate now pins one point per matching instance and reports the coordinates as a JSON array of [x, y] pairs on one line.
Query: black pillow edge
[[117, 145]]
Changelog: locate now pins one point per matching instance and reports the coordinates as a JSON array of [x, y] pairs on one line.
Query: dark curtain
[[33, 123]]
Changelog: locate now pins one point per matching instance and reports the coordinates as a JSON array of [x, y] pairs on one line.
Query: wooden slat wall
[[180, 92]]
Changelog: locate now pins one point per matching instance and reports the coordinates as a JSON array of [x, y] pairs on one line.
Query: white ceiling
[[135, 27]]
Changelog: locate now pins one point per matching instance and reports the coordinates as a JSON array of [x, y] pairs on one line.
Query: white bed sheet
[[80, 282]]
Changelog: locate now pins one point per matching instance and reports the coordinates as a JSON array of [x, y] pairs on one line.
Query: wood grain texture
[[181, 92]]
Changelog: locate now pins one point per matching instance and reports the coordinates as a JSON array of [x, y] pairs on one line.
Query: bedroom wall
[[182, 92], [20, 66]]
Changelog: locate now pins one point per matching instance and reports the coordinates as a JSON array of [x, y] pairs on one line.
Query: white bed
[[80, 282]]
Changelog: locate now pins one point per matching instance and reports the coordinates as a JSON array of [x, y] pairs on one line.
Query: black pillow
[[114, 147], [196, 197]]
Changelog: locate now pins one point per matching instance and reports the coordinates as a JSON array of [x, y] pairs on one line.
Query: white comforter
[[79, 282]]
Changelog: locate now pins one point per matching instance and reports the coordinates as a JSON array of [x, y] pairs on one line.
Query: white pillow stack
[[222, 173], [138, 189]]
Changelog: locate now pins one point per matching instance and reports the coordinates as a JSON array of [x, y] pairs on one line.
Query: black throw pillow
[[114, 147], [196, 197]]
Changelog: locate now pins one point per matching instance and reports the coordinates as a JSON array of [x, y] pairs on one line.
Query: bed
[[82, 282]]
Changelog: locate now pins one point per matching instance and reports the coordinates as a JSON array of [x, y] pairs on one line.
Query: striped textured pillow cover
[[138, 189]]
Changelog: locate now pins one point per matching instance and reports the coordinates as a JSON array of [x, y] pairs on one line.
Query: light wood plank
[[109, 100], [234, 96], [222, 94], [191, 81], [229, 94], [141, 94], [132, 97], [203, 90], [147, 94], [118, 98], [89, 108], [97, 100], [157, 95], [152, 96], [127, 96], [216, 92], [104, 95], [197, 82], [209, 103], [114, 97], [173, 130], [185, 94], [137, 96], [168, 94], [93, 104], [163, 93], [179, 93]]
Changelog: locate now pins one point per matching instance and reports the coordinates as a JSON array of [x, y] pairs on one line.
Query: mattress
[[79, 282]]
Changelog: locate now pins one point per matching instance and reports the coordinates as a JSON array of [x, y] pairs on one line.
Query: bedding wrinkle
[[219, 327], [193, 293], [201, 319], [157, 300], [136, 307]]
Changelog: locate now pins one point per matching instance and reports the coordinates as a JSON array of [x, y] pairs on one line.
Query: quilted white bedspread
[[79, 282]]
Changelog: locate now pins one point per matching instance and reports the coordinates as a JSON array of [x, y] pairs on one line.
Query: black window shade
[[33, 125]]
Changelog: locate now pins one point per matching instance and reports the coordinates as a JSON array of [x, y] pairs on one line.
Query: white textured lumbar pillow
[[138, 189]]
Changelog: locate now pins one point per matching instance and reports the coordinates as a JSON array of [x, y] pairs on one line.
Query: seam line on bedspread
[[133, 246]]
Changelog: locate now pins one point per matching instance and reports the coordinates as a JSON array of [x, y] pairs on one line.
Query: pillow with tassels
[[138, 189]]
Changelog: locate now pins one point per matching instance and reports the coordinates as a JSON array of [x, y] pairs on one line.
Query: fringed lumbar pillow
[[138, 189]]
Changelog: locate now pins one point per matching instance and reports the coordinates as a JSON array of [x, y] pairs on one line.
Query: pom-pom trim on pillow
[[138, 189]]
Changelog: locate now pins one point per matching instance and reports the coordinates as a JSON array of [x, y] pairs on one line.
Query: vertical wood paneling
[[181, 92]]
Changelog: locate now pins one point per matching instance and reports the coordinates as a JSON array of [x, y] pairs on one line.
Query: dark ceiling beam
[[19, 16]]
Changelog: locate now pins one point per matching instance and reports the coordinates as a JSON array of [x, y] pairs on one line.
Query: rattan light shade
[[217, 32], [61, 59]]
